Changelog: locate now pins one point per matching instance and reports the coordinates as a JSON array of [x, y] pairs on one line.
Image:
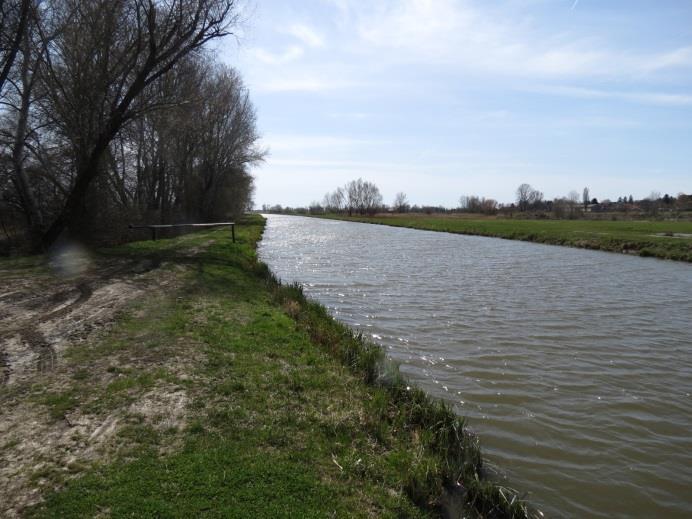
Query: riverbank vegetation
[[216, 390], [660, 239], [119, 112]]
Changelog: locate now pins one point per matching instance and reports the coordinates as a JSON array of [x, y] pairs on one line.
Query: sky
[[443, 98]]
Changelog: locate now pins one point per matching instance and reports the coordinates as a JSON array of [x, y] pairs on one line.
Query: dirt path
[[41, 317], [41, 314]]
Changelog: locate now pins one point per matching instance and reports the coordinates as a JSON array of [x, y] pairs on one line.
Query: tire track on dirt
[[4, 366], [38, 344], [28, 327], [35, 340]]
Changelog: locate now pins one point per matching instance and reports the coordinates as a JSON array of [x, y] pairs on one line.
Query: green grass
[[643, 238], [290, 414]]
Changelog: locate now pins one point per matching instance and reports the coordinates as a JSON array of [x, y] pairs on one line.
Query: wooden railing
[[154, 227]]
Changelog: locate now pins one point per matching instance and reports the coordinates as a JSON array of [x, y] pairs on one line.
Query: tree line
[[364, 198], [116, 111]]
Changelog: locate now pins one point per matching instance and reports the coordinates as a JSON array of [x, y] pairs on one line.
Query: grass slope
[[289, 413], [643, 238]]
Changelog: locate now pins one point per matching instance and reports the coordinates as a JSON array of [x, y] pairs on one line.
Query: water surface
[[574, 366]]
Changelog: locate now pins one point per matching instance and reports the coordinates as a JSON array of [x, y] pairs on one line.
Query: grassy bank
[[220, 393], [660, 239]]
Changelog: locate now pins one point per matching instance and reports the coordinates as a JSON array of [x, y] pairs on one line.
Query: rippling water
[[574, 366]]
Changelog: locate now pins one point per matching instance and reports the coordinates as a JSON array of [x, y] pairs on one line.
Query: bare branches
[[105, 59], [528, 196], [14, 18], [116, 109]]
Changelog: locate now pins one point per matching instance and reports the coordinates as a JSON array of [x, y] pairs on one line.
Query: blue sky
[[439, 98]]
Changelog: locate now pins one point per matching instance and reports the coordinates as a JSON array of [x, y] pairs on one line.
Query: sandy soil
[[41, 316]]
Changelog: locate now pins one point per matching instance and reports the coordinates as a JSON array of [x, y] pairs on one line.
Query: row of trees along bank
[[363, 198], [115, 111]]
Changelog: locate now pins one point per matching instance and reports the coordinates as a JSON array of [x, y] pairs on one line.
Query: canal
[[573, 366]]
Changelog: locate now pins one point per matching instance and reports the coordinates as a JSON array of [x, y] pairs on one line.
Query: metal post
[[233, 232]]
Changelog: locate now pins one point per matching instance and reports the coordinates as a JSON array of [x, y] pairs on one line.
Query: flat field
[[660, 239]]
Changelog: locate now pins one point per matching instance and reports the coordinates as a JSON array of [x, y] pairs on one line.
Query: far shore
[[647, 238]]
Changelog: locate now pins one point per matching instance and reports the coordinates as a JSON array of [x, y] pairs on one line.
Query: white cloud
[[300, 83], [681, 57], [654, 98], [296, 144], [291, 54], [459, 33], [306, 35], [350, 116], [456, 37]]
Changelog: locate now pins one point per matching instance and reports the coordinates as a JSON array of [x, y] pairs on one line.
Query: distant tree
[[594, 201], [683, 202], [572, 201], [353, 191], [631, 200], [536, 197], [362, 196], [476, 204], [527, 196], [372, 198], [334, 201], [523, 196], [585, 197], [400, 204], [559, 207], [489, 206], [337, 199]]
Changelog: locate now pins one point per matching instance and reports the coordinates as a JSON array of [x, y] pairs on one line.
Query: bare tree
[[523, 196], [535, 197], [371, 198], [572, 201], [585, 197], [527, 197], [19, 102], [559, 207], [114, 112], [334, 201], [14, 19], [338, 199], [106, 57], [400, 204], [353, 190], [476, 204], [489, 206], [362, 196]]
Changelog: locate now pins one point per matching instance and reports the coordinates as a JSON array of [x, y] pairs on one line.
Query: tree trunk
[[87, 169], [20, 179]]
